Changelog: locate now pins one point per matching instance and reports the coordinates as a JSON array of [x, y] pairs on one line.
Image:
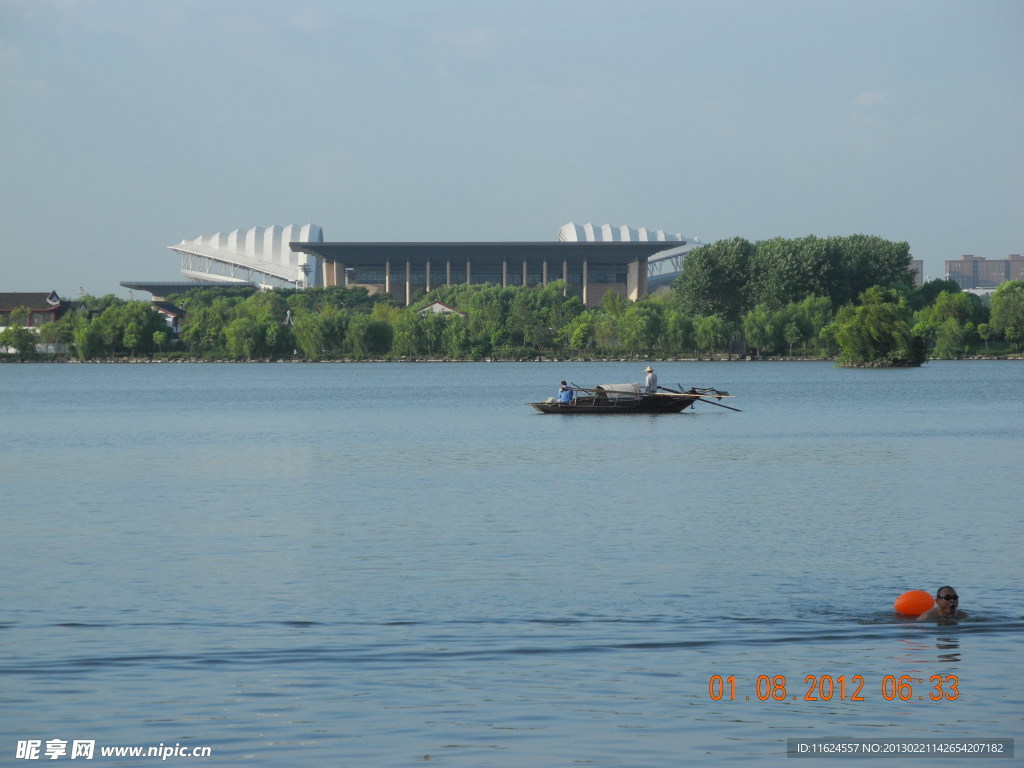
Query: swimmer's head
[[947, 600]]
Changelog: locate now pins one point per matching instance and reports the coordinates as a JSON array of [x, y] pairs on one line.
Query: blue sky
[[129, 126]]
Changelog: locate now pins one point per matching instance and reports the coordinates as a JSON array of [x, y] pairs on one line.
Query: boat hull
[[645, 404]]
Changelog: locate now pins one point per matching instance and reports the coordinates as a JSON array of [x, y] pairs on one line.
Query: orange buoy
[[914, 603]]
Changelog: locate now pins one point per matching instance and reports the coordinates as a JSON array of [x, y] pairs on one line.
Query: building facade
[[971, 271], [591, 259], [589, 269], [42, 308], [33, 311]]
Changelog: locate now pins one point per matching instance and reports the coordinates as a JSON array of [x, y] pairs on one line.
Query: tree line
[[851, 299]]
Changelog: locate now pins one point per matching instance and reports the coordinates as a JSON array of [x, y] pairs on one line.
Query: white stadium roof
[[662, 268], [259, 255], [606, 233]]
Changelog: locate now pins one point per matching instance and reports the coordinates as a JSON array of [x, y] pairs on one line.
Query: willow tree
[[879, 332], [760, 330], [710, 334]]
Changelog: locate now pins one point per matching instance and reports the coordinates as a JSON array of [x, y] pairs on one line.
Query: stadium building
[[590, 259]]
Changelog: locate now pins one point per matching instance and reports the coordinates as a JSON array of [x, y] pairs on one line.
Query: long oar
[[700, 398]]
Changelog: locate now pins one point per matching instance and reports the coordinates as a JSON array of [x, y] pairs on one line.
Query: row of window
[[419, 277], [35, 319]]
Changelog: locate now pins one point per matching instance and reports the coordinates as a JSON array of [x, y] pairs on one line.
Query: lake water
[[379, 564]]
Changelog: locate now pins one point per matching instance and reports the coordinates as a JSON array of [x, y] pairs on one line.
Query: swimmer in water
[[947, 606]]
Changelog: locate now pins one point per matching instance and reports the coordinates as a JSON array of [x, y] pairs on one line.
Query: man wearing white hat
[[651, 382]]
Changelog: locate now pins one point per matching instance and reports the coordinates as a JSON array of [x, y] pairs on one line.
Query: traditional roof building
[[42, 308], [172, 314]]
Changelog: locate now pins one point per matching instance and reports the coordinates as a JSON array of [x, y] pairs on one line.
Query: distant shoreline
[[659, 360]]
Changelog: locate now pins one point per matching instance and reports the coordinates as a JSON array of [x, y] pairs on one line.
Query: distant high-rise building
[[917, 267], [972, 271]]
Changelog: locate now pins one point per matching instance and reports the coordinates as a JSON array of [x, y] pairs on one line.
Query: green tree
[[88, 338], [613, 303], [408, 335], [110, 324], [793, 335], [878, 332], [678, 332], [243, 337], [964, 307], [368, 337], [578, 333], [525, 322], [985, 333], [714, 279], [308, 330], [335, 324], [1013, 336], [783, 271], [760, 331], [205, 325], [434, 326], [710, 334], [729, 278], [132, 337], [640, 326], [928, 331], [18, 316], [127, 326], [21, 340], [606, 332], [868, 261], [812, 315], [560, 306], [61, 331], [265, 307], [949, 340], [228, 295], [456, 338], [1008, 310], [930, 291], [277, 338]]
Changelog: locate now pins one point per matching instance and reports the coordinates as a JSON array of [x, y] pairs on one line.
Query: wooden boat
[[630, 398]]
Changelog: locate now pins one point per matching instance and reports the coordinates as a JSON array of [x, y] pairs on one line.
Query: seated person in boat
[[565, 393], [650, 381]]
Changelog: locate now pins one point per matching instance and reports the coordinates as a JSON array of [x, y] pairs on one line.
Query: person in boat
[[650, 381], [565, 393], [947, 606]]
